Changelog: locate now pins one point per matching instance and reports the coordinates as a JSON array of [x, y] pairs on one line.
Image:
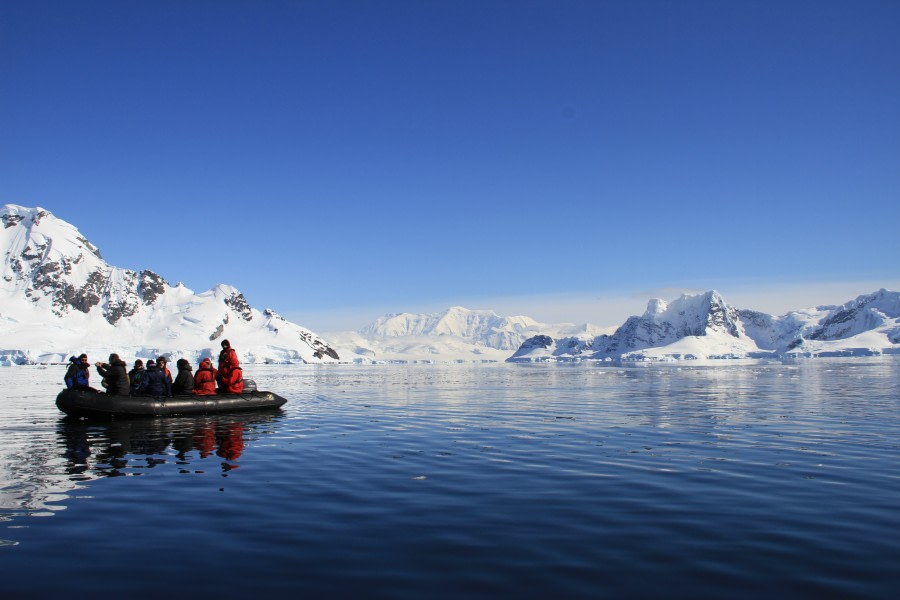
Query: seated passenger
[[205, 379], [154, 382], [184, 381], [115, 376], [78, 375], [162, 364], [135, 375]]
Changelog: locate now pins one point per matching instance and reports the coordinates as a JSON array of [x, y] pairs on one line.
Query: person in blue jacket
[[78, 375], [155, 382]]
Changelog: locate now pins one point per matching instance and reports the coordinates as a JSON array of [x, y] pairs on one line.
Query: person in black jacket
[[135, 376], [184, 381], [155, 382], [115, 376]]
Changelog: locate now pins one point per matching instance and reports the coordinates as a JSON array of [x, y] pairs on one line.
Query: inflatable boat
[[80, 403]]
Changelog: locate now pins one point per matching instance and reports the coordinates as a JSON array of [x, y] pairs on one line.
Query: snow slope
[[704, 326], [58, 297], [455, 334]]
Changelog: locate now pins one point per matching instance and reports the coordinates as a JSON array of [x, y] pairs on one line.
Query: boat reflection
[[129, 447], [41, 474]]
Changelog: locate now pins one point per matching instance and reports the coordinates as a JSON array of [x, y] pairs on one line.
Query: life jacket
[[233, 382], [205, 379], [228, 360]]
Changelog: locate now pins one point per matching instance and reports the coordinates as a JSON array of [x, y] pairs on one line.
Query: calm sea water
[[478, 481]]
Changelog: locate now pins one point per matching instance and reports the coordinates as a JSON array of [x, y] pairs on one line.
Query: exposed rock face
[[238, 304], [869, 312], [664, 323], [541, 341], [150, 286]]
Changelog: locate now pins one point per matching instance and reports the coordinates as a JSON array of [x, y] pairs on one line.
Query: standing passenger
[[230, 376]]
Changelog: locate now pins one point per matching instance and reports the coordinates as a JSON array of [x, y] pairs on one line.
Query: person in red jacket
[[205, 379], [230, 376]]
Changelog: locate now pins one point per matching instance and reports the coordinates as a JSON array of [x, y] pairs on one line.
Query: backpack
[[135, 379]]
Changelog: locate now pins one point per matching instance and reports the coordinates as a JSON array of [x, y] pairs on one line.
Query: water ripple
[[485, 481]]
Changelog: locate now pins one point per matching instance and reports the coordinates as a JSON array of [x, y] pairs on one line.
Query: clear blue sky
[[335, 160]]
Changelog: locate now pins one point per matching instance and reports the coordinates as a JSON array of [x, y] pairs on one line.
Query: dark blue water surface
[[734, 480]]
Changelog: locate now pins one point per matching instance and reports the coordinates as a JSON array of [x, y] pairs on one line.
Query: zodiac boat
[[81, 403]]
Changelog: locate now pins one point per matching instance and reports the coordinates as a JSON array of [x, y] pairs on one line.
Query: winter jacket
[[69, 377], [116, 376], [77, 376], [228, 359], [167, 372], [230, 376], [232, 382], [155, 383], [205, 379], [135, 376], [184, 381]]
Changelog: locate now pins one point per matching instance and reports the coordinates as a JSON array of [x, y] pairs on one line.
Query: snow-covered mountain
[[705, 326], [456, 334], [58, 297]]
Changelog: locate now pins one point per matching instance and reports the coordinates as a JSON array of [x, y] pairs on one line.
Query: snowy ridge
[[58, 297], [483, 327], [455, 334], [704, 326]]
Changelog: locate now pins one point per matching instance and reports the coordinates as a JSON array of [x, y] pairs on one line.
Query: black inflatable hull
[[96, 404]]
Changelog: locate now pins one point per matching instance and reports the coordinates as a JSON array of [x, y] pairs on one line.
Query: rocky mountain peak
[[56, 280]]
